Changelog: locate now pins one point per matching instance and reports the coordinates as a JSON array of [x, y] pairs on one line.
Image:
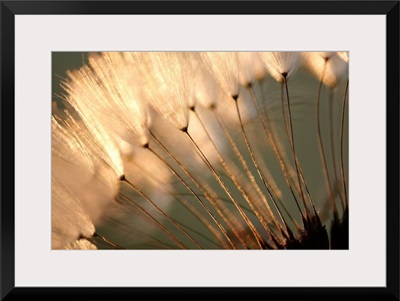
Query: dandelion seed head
[[165, 86], [177, 142], [226, 108], [127, 112], [344, 55], [225, 69], [94, 176], [281, 64], [69, 218], [107, 88], [68, 154], [326, 66], [85, 106], [205, 88], [326, 55], [251, 67]]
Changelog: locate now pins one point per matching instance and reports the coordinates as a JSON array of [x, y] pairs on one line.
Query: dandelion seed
[[165, 86], [281, 64], [326, 65], [85, 172], [344, 55], [251, 67], [69, 218], [224, 67]]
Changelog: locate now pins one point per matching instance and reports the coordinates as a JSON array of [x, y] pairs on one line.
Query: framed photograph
[[215, 150]]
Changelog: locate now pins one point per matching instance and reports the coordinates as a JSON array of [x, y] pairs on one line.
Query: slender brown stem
[[96, 235], [225, 188], [184, 202], [321, 146], [245, 167], [289, 127], [213, 204], [272, 142], [278, 155], [233, 178], [250, 150], [155, 242], [332, 142], [146, 214], [161, 211], [299, 171], [341, 144]]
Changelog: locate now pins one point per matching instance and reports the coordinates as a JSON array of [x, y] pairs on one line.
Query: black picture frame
[[9, 9]]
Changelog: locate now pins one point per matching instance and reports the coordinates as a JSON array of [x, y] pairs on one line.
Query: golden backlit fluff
[[224, 66], [165, 85], [251, 67], [344, 55], [199, 150], [84, 168], [69, 218], [108, 97], [81, 244], [329, 65], [281, 64]]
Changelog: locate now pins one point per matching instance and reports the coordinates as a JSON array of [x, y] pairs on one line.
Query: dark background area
[[61, 62]]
